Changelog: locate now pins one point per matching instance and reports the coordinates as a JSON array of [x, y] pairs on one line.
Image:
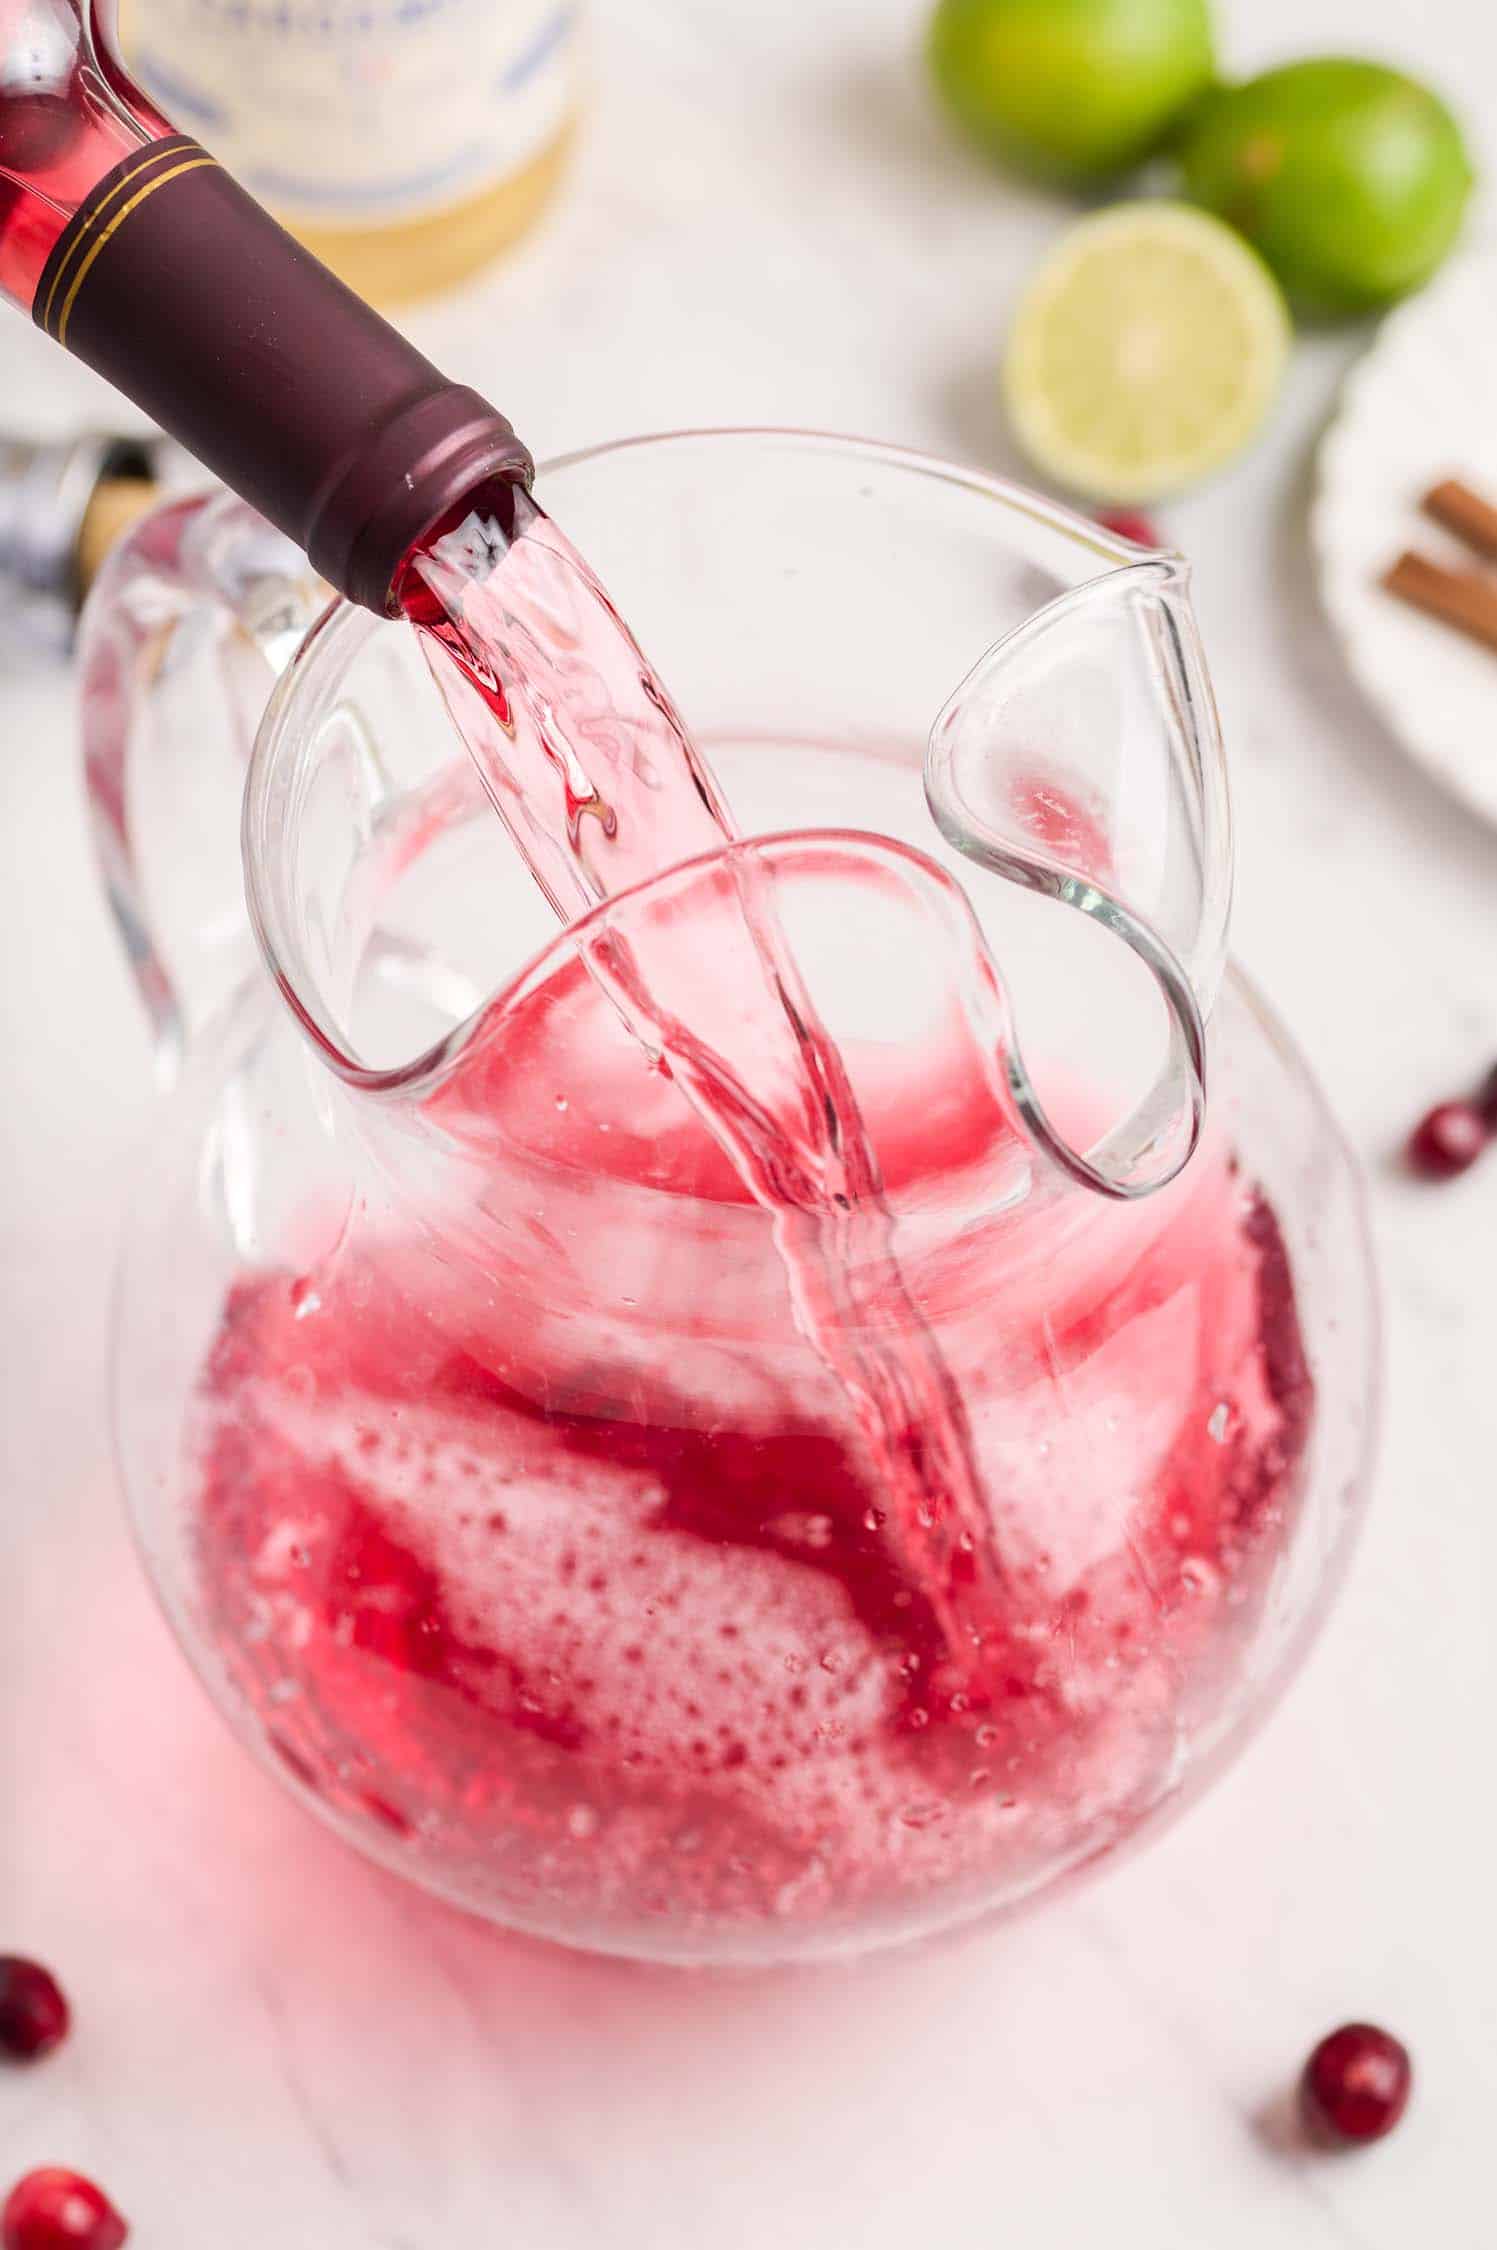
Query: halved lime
[[1145, 352]]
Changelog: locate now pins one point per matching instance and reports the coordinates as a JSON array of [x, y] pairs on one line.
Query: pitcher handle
[[191, 620]]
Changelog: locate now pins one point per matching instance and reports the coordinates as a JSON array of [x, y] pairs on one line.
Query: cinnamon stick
[[1459, 509], [1465, 599]]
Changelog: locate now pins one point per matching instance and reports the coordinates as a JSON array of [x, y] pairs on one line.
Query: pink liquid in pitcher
[[784, 1589]]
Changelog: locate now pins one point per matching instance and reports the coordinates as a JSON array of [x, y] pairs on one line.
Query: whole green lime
[[1070, 89], [1351, 179]]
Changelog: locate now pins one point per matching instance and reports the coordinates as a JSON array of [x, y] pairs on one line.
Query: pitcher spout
[[1080, 761]]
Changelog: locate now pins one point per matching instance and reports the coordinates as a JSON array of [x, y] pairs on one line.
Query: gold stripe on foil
[[193, 164], [154, 153], [85, 220]]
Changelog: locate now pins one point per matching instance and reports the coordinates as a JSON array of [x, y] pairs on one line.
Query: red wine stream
[[594, 774]]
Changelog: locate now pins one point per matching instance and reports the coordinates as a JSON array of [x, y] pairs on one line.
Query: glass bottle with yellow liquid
[[406, 142]]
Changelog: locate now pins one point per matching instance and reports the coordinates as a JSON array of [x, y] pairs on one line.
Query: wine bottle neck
[[180, 290]]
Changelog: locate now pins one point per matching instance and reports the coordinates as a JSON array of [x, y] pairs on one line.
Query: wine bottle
[[130, 245]]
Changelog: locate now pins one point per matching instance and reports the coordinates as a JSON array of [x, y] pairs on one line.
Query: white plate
[[1421, 406]]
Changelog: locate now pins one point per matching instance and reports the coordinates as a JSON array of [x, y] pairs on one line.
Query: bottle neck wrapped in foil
[[48, 488]]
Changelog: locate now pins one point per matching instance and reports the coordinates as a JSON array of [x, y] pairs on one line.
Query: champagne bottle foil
[[46, 486]]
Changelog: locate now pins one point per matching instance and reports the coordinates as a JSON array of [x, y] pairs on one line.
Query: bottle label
[[361, 112]]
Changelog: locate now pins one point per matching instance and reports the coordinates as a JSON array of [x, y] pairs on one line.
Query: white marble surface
[[278, 2046]]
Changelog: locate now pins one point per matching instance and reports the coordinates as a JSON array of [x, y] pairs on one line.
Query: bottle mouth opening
[[421, 469]]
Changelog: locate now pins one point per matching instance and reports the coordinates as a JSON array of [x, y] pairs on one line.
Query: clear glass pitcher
[[473, 1429]]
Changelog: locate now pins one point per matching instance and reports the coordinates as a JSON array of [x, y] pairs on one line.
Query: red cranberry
[[1355, 2086], [33, 2012], [1130, 523], [1448, 1140], [57, 2210]]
